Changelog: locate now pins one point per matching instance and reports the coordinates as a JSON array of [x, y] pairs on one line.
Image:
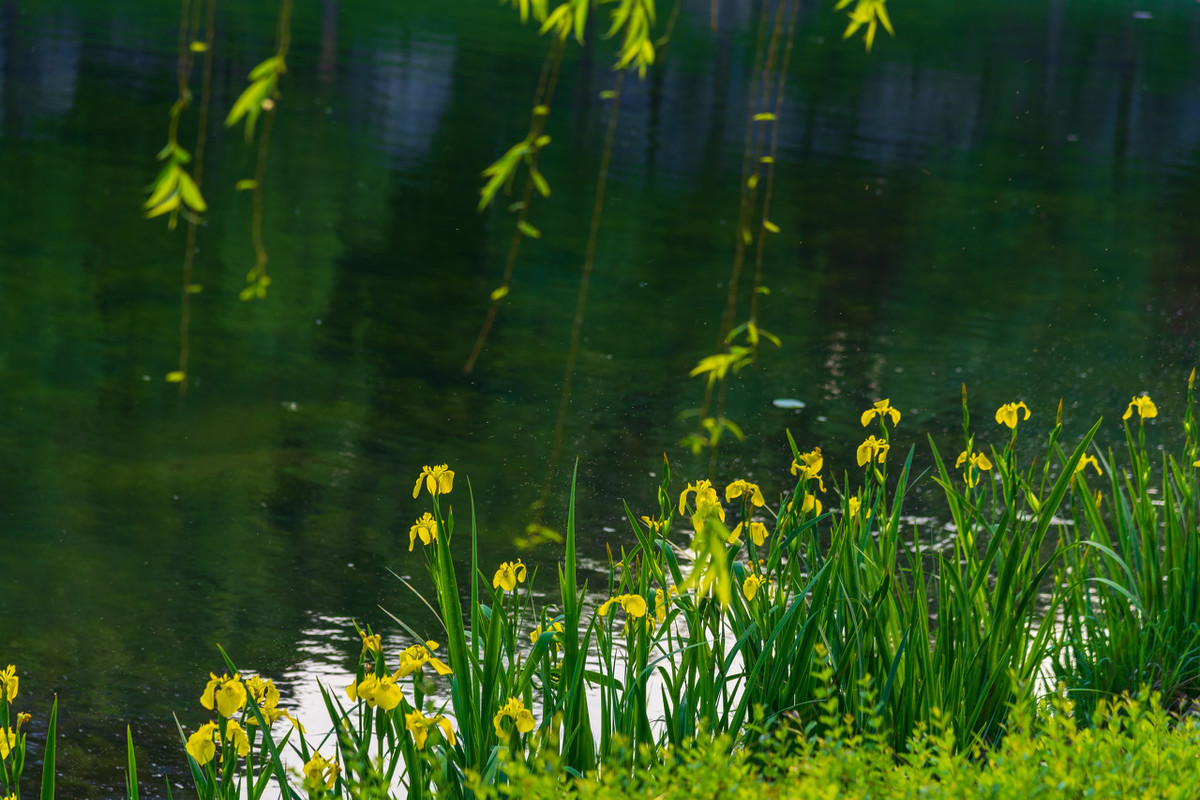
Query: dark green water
[[1002, 196]]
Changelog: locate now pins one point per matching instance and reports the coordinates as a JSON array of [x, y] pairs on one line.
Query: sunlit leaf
[[198, 47], [170, 204], [764, 117], [190, 193], [581, 14], [245, 184], [176, 376], [540, 182], [529, 230], [167, 182], [559, 18], [250, 103], [272, 67], [499, 293], [771, 226]]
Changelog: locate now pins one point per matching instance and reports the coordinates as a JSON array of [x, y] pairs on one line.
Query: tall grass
[[1131, 586]]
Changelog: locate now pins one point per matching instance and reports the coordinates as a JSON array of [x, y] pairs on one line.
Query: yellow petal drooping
[[881, 409], [751, 585], [509, 575], [1144, 406], [320, 772], [226, 694], [9, 682], [1007, 414], [438, 480], [202, 745], [424, 529], [741, 488], [514, 710], [872, 450]]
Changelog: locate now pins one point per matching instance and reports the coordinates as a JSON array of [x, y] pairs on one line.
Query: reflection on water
[[325, 657], [1001, 196]]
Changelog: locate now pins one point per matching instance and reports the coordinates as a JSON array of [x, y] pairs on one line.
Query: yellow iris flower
[[372, 643], [438, 480], [881, 409], [758, 533], [509, 575], [236, 734], [741, 488], [654, 525], [319, 771], [226, 694], [811, 505], [417, 656], [707, 501], [1007, 414], [1145, 408], [554, 627], [375, 691], [975, 462], [751, 585], [263, 690], [634, 605], [661, 599], [418, 725], [809, 466], [515, 710], [8, 742], [872, 450], [266, 694], [1083, 462], [9, 682], [202, 745], [425, 529]]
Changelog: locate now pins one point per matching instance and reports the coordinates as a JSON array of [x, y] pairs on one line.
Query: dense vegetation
[[835, 641]]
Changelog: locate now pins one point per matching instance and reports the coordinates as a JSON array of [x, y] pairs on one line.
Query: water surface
[[1002, 197]]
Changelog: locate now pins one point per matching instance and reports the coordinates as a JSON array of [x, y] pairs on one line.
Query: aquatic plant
[[823, 627]]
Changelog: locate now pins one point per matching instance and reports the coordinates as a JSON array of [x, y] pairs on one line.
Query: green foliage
[[799, 640], [258, 96], [1131, 593], [1135, 750]]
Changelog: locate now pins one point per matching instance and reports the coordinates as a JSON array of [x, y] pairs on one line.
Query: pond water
[[1002, 196]]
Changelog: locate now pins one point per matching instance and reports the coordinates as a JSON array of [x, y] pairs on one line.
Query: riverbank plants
[[820, 632]]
